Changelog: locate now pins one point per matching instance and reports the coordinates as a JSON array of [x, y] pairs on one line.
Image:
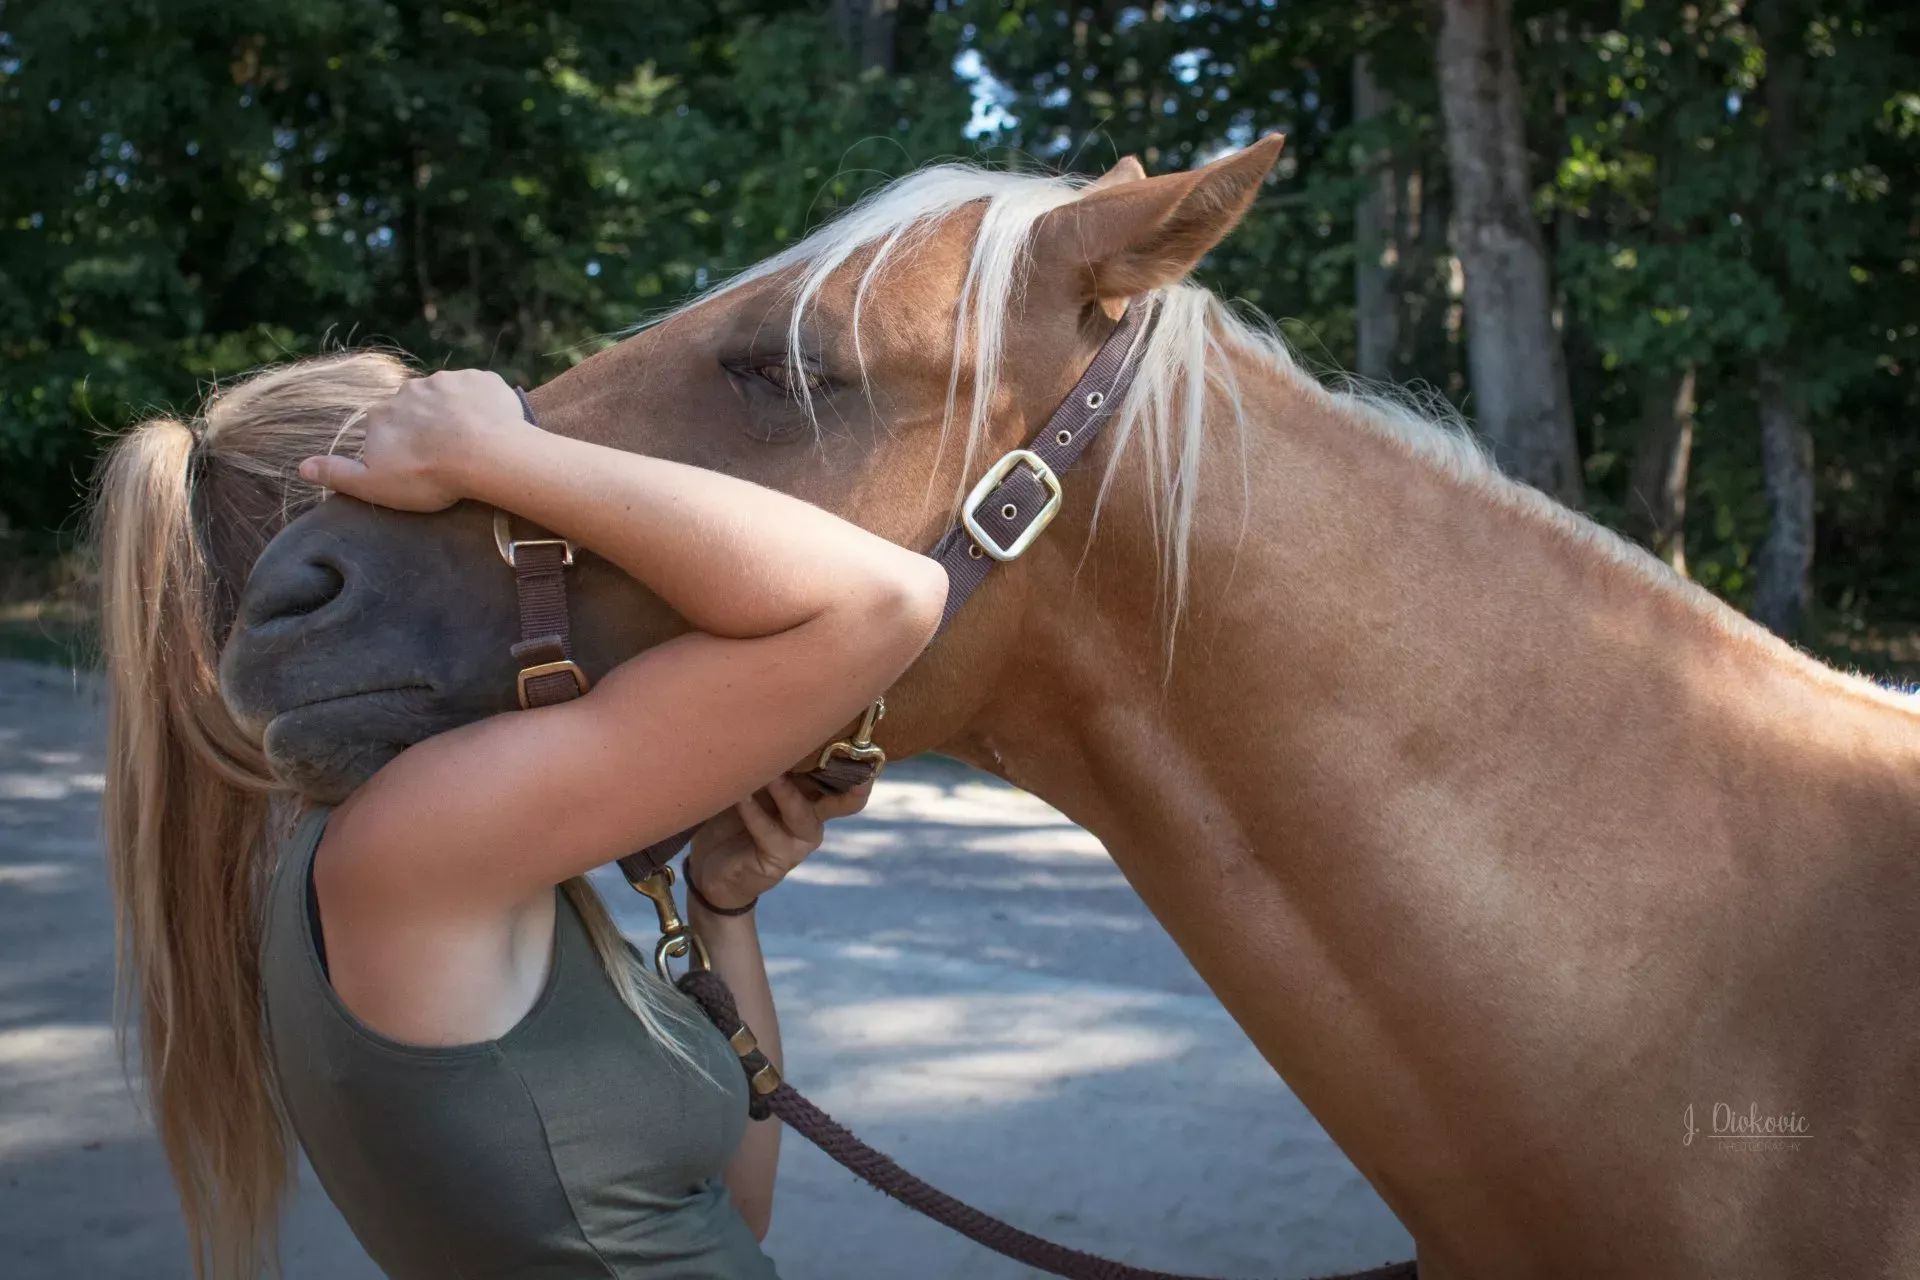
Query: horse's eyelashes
[[792, 380]]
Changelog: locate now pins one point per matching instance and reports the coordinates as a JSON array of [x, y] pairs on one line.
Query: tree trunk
[[867, 27], [1786, 557], [1657, 485], [1517, 369], [1785, 569], [1429, 290], [1376, 290]]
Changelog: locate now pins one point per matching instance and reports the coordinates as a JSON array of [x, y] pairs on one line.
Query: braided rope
[[879, 1171]]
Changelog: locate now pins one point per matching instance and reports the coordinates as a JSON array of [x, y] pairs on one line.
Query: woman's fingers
[[839, 806], [779, 838], [719, 831], [386, 477], [334, 472], [768, 835], [796, 811], [414, 442]]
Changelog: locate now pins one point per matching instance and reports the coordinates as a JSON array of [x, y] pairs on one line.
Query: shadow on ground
[[963, 977]]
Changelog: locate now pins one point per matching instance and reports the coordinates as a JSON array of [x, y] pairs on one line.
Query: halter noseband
[[1002, 516]]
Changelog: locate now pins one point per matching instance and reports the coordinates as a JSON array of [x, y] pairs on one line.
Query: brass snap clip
[[677, 940], [861, 746]]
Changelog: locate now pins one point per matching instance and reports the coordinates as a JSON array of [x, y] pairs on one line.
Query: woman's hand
[[417, 442], [747, 850]]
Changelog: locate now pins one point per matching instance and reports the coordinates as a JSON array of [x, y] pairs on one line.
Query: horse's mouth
[[353, 715], [332, 698], [325, 747]]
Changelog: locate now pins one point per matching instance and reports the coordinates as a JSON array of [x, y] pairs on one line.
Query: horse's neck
[[1444, 799]]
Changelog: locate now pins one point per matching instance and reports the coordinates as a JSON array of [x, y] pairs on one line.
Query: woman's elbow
[[918, 600], [896, 613]]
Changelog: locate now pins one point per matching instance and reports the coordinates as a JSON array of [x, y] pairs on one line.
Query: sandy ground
[[964, 978]]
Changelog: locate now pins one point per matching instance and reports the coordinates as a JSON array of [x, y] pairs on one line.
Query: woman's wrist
[[713, 908], [488, 460], [714, 896], [716, 929]]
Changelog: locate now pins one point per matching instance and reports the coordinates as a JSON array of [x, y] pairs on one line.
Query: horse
[[1582, 913]]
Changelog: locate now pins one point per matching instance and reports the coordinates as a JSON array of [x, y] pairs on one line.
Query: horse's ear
[[1125, 169], [1131, 235]]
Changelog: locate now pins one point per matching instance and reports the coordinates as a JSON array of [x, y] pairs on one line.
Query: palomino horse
[[1540, 875]]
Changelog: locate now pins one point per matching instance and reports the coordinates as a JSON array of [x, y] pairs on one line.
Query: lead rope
[[840, 767], [879, 1170]]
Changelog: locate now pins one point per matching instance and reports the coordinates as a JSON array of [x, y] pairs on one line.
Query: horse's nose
[[288, 592]]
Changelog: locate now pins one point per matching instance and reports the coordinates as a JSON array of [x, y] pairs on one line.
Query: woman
[[485, 1079]]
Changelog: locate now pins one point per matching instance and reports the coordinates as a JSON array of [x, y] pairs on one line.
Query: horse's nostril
[[292, 591]]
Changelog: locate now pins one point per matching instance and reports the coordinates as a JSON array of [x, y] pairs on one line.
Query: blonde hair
[[179, 516]]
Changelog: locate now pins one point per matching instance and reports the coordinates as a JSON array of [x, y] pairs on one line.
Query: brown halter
[[1008, 508]]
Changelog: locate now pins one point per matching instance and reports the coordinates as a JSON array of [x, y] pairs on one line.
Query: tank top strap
[[289, 906]]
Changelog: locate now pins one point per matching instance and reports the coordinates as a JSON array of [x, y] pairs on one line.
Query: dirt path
[[947, 967]]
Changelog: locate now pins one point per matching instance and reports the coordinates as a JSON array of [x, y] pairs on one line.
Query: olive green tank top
[[573, 1146]]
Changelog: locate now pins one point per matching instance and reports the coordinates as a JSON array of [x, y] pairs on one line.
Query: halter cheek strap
[[1002, 516], [544, 653], [1019, 495]]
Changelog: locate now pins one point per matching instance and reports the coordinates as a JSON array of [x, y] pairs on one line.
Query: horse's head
[[875, 369]]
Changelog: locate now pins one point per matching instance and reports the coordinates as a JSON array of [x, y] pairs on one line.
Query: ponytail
[[185, 804], [179, 516]]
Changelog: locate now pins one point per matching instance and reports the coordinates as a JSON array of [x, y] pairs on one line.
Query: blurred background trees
[[1665, 255]]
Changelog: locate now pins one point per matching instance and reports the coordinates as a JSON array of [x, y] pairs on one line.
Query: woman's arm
[[733, 945], [804, 619]]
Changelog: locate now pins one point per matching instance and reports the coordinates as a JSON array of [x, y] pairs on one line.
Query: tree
[[1376, 249], [867, 28], [1786, 445], [1725, 196], [1520, 396], [1662, 457], [200, 186]]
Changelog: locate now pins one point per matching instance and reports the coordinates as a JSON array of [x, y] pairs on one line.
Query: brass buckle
[[567, 665], [990, 481], [861, 746], [507, 544]]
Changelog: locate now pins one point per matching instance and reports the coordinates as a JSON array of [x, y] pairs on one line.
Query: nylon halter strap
[[1019, 495], [1006, 511]]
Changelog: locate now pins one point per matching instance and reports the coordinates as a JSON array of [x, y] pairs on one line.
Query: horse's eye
[[793, 381]]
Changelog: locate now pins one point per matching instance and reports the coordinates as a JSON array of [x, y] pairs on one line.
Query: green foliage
[[1176, 85], [196, 186], [199, 186], [1684, 241], [1676, 241]]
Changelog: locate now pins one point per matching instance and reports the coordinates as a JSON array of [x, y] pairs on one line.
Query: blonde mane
[[1183, 361], [1185, 366]]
